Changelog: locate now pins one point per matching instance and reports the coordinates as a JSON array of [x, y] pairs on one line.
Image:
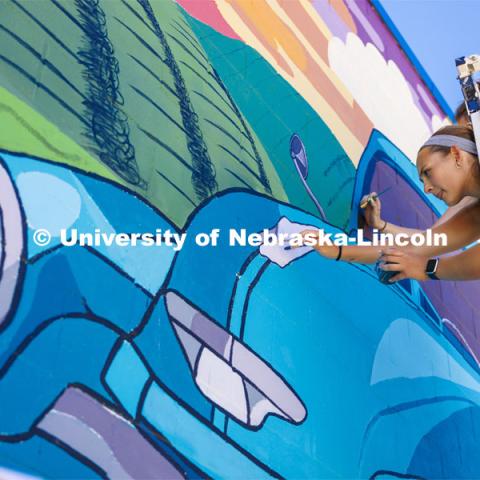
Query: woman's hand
[[373, 211], [328, 251], [408, 264]]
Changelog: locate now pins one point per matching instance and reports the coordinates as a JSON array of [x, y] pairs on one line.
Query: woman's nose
[[427, 188]]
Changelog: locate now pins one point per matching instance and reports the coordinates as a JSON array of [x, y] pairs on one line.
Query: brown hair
[[461, 111], [462, 131]]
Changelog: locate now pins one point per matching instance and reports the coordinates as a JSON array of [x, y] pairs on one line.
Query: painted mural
[[221, 361]]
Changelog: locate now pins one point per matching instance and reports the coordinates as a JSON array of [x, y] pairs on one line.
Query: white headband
[[450, 140]]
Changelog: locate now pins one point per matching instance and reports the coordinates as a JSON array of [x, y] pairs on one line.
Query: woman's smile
[[440, 194]]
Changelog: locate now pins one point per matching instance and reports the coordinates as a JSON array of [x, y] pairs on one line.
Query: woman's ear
[[457, 156]]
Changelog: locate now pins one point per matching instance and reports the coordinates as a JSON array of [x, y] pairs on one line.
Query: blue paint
[[37, 456], [80, 348], [241, 292], [386, 438], [200, 444], [160, 346], [456, 446], [48, 202], [311, 321], [219, 419], [100, 202], [127, 376]]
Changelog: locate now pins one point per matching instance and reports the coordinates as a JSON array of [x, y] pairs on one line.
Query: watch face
[[431, 265]]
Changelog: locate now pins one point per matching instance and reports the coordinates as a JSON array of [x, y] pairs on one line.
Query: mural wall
[[140, 361]]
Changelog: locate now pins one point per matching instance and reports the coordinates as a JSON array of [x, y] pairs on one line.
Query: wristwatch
[[431, 268]]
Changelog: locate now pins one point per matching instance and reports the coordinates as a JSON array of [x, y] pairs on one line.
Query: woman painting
[[449, 168]]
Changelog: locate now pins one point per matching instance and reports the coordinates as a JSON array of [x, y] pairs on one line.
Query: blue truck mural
[[226, 361]]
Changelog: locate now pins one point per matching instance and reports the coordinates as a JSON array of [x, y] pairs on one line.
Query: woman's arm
[[396, 229], [373, 215], [464, 266], [460, 230]]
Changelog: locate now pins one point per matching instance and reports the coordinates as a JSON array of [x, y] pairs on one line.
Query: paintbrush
[[362, 205], [373, 197]]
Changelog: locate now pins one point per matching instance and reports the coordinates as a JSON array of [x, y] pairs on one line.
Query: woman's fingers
[[303, 233], [368, 200], [391, 267], [310, 233], [406, 264], [396, 278], [367, 196]]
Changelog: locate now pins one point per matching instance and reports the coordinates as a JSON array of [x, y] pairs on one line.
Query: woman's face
[[440, 176]]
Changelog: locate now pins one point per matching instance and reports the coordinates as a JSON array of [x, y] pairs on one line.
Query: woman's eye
[[427, 173]]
